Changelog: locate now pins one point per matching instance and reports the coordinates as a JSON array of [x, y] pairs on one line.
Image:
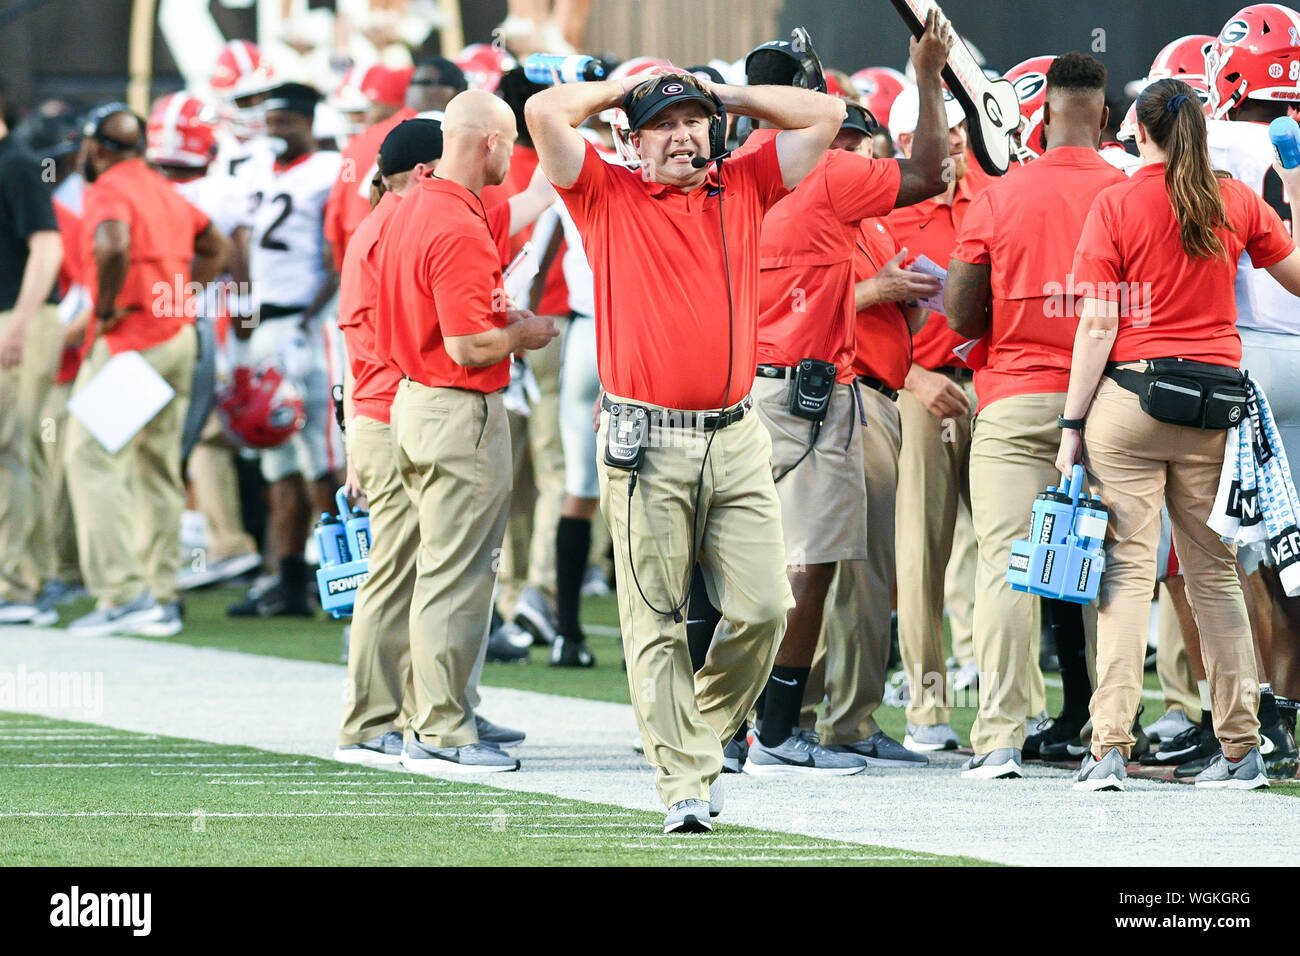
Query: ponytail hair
[[1171, 113]]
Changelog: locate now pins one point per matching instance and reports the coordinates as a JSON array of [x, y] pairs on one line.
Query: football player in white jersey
[[294, 286], [1254, 78]]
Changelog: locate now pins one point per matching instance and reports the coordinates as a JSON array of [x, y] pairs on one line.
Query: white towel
[[1256, 504]]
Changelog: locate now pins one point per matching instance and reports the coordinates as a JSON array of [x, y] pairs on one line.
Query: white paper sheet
[[931, 268], [120, 400], [519, 275]]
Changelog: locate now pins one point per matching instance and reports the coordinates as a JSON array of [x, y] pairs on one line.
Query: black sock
[[742, 732], [1269, 715], [784, 701], [293, 578], [1207, 722], [572, 543], [1065, 620], [701, 620]]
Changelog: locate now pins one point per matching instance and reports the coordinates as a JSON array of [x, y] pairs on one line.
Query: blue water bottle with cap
[[548, 68], [1284, 133], [357, 527], [331, 540], [1090, 520]]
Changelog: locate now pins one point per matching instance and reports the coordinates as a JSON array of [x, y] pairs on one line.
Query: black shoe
[[1278, 748], [1141, 742], [508, 643], [566, 652], [1191, 744], [275, 600], [1051, 743], [1207, 753]]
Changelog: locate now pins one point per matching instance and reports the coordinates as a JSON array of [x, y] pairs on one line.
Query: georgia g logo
[[1235, 31], [672, 89], [1029, 86]]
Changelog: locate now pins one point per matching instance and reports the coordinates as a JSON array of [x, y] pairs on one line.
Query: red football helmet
[[241, 71], [182, 131], [879, 86], [1181, 58], [1256, 56], [1030, 80], [260, 409], [483, 65]]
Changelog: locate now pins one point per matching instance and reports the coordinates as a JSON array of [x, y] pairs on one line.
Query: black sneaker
[[1051, 742], [508, 643], [1207, 753], [275, 600], [1180, 749], [1278, 748], [1141, 742], [566, 652]]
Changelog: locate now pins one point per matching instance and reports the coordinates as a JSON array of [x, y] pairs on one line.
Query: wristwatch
[[1074, 423]]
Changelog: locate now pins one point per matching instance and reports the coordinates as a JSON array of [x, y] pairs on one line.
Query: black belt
[[879, 386], [268, 311], [670, 418], [960, 372], [775, 371]]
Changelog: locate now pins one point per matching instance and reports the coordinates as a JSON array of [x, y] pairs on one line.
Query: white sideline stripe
[[604, 630], [69, 736], [322, 783], [87, 766], [589, 826], [74, 753], [441, 794]]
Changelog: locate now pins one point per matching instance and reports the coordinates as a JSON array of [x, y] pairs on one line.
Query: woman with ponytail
[[1153, 382]]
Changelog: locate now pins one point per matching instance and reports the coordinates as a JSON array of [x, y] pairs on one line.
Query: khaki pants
[[684, 718], [1012, 461], [1138, 463], [453, 451], [1177, 682], [215, 485], [59, 519], [26, 557], [528, 555], [933, 483], [379, 651], [128, 505], [958, 579], [852, 655]]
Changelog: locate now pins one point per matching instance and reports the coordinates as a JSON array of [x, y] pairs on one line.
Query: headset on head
[[640, 112]]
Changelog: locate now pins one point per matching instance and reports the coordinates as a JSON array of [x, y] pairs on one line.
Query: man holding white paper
[[142, 237]]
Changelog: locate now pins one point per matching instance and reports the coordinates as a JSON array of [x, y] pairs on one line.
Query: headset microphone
[[699, 162]]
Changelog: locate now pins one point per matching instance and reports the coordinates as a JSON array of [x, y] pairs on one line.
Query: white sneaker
[[1000, 764], [122, 619], [167, 623], [1173, 723], [931, 737]]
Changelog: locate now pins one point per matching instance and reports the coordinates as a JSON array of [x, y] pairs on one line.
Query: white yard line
[[580, 749]]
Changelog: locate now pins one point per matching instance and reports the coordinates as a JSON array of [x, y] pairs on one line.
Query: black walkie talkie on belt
[[811, 389], [626, 436]]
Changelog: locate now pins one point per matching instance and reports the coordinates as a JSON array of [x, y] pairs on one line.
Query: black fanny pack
[[1183, 392]]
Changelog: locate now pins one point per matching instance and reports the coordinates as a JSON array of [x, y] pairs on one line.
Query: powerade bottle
[[1284, 133], [548, 68], [356, 527], [331, 539], [1090, 522], [1053, 510]]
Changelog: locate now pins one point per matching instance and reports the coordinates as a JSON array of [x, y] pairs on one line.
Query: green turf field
[[76, 794]]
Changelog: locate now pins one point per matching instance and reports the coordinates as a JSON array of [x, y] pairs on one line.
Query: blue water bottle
[[1284, 133], [356, 525], [331, 539], [548, 68], [1052, 511], [1090, 520]]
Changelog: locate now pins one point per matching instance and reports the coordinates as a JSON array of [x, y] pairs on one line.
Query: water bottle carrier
[[1062, 557], [344, 541]]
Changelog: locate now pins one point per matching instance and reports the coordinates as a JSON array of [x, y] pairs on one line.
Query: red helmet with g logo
[[182, 131], [1256, 56]]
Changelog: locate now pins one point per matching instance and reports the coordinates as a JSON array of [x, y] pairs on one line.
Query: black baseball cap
[[668, 91], [93, 127], [292, 98], [445, 73], [859, 118], [408, 144]]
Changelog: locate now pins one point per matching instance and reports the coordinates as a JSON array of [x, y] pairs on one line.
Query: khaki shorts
[[823, 502]]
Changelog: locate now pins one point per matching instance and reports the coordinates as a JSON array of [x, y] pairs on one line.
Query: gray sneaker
[[800, 753], [1108, 773], [881, 750], [122, 619], [382, 751], [931, 737], [167, 624], [688, 816], [533, 613], [1000, 764], [1174, 722], [496, 735], [24, 612], [1244, 774], [471, 758], [733, 755]]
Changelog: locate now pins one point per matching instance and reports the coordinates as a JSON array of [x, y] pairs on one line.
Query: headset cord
[[676, 611]]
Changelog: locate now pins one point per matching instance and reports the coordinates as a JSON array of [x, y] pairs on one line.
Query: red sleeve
[[498, 220], [1267, 240], [859, 187], [333, 226], [764, 165], [464, 278], [1097, 264], [588, 189], [976, 232]]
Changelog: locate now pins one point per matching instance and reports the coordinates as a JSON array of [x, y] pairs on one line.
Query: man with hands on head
[[674, 251], [442, 318]]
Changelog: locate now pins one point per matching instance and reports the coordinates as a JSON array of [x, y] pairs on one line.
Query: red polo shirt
[[805, 282], [374, 383], [523, 162], [883, 342], [1026, 227], [1171, 305], [438, 269], [163, 226], [349, 200], [930, 228], [662, 328]]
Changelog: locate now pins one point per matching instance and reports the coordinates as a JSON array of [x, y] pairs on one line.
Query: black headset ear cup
[[718, 128]]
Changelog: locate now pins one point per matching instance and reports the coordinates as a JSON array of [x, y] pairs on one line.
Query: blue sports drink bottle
[[331, 539], [548, 68], [1284, 133]]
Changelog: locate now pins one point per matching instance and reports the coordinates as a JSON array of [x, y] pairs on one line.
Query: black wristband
[[1074, 423]]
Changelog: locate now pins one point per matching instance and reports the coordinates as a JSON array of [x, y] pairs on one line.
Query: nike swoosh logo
[[1266, 746], [805, 762], [923, 225], [791, 683]]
